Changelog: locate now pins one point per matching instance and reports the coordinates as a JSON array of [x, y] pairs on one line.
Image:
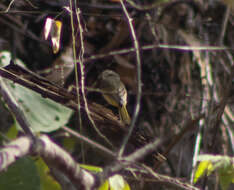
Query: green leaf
[[12, 132], [91, 168], [69, 143], [47, 182], [223, 164], [22, 175], [115, 182], [104, 186], [43, 115], [48, 115], [204, 168], [226, 176]]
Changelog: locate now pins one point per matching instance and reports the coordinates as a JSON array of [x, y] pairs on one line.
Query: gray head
[[107, 74]]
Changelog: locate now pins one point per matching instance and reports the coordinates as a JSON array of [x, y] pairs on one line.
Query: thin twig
[[9, 6], [161, 46], [142, 152], [224, 24], [90, 142], [139, 90], [176, 184], [130, 159], [81, 63], [81, 55], [205, 95], [75, 62]]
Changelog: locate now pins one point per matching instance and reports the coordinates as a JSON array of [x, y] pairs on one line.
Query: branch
[[139, 90], [14, 107], [52, 154]]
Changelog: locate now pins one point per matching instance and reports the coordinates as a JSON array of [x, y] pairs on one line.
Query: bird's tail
[[123, 113]]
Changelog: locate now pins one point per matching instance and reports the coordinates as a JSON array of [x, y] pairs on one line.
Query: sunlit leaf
[[104, 186], [224, 165], [91, 168], [117, 182], [47, 27], [204, 168], [53, 29]]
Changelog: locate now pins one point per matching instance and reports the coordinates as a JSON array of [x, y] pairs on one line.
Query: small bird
[[115, 93]]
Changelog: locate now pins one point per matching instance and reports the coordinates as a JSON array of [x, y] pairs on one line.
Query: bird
[[114, 92]]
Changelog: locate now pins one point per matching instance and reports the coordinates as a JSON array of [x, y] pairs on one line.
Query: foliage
[[209, 164], [21, 175], [44, 115], [115, 182]]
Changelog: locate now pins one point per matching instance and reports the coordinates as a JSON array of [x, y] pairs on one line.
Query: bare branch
[[139, 88]]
